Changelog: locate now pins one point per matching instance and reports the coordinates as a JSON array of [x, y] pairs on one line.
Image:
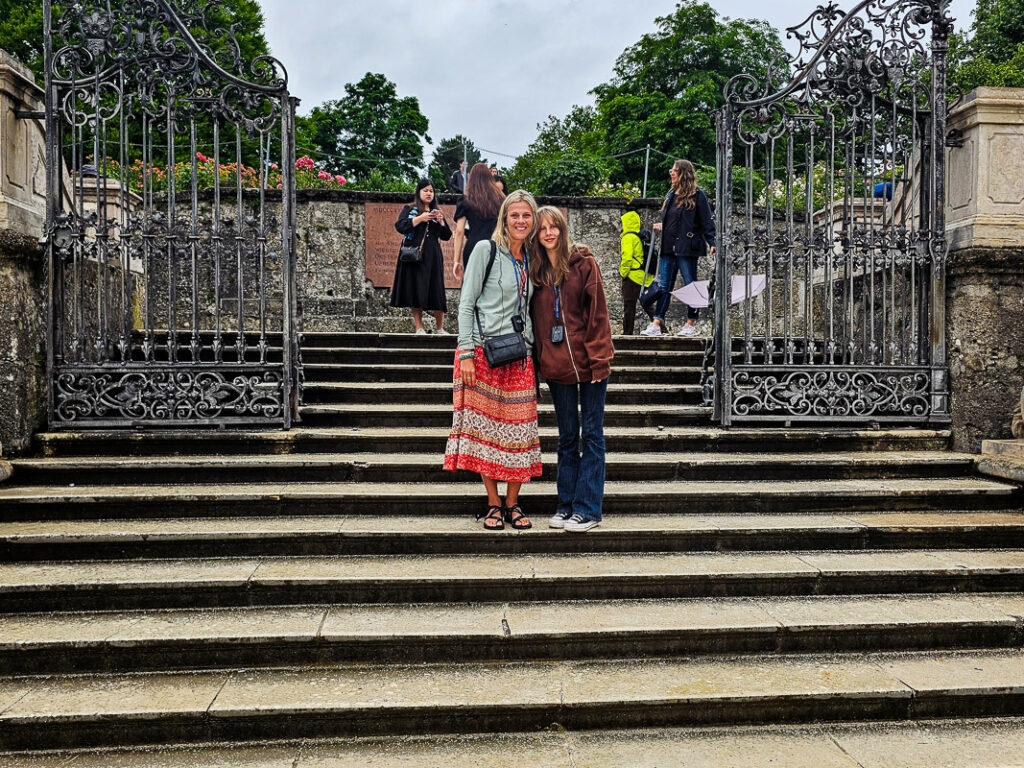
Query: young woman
[[419, 285], [574, 354], [687, 227], [478, 210], [494, 429]]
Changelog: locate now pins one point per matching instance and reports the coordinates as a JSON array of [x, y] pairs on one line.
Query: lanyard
[[557, 301], [520, 279]]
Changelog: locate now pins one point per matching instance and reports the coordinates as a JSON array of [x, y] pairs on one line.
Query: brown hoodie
[[586, 354]]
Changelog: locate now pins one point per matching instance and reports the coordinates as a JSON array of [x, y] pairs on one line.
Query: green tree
[[369, 129], [21, 29], [667, 85], [447, 156], [575, 136], [992, 54]]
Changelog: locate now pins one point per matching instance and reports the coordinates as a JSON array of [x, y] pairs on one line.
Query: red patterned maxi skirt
[[494, 430]]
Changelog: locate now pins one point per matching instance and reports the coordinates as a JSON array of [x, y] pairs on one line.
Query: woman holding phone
[[419, 285]]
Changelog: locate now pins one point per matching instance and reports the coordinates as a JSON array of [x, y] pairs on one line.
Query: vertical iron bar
[[289, 334], [54, 166], [239, 247], [172, 239], [196, 345], [218, 346], [723, 279], [938, 244], [262, 239]]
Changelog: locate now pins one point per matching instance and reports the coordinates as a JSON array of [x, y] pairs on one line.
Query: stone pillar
[[985, 287], [22, 299]]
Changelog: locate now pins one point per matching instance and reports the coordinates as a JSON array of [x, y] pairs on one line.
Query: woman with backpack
[[494, 428], [632, 267], [687, 227]]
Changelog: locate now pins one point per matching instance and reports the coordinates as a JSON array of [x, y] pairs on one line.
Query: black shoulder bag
[[412, 254], [508, 347]]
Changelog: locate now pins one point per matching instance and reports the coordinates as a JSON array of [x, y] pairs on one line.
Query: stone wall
[[985, 333], [336, 295], [985, 288], [22, 352], [22, 206]]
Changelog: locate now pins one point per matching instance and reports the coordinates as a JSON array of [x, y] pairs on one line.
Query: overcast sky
[[488, 69]]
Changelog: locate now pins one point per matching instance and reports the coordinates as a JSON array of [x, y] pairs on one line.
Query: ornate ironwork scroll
[[831, 173], [170, 226]]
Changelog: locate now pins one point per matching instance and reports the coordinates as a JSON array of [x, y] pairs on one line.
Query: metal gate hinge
[[955, 138], [28, 114]]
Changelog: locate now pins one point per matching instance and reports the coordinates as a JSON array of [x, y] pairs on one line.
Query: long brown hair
[[542, 270], [501, 236], [686, 186], [482, 194]]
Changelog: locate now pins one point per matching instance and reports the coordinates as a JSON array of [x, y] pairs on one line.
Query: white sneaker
[[421, 331], [559, 519], [579, 524], [654, 329], [442, 332], [687, 331]]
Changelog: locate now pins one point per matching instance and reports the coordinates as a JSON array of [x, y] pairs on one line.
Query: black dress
[[420, 285], [479, 228]]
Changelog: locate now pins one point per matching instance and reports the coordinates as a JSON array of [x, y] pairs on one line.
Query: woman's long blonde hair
[[686, 187], [543, 271], [501, 236]]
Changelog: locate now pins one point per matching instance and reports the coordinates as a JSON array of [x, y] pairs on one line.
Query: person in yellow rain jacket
[[632, 270]]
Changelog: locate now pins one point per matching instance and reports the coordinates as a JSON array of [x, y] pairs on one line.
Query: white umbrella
[[696, 293]]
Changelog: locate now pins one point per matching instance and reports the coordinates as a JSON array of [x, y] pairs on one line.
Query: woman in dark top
[[687, 228], [478, 209], [419, 285]]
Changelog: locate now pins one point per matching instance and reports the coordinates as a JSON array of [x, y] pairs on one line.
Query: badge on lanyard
[[558, 329]]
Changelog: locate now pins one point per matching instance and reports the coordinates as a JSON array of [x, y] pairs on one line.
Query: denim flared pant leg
[[579, 410]]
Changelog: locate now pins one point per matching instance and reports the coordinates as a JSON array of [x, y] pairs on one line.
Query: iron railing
[[170, 250], [831, 190]]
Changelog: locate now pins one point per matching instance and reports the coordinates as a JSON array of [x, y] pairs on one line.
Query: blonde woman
[[494, 429], [687, 227], [574, 353]]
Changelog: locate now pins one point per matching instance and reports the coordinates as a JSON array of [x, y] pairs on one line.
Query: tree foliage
[[447, 156], [369, 129], [21, 29], [666, 86], [992, 54], [662, 93]]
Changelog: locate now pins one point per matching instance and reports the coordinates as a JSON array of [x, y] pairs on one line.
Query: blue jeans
[[579, 410], [669, 267]]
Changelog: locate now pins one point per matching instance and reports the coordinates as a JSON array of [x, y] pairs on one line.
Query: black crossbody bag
[[508, 347]]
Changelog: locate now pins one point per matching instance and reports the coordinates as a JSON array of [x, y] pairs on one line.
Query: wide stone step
[[416, 372], [237, 705], [624, 358], [178, 639], [440, 415], [956, 743], [318, 340], [414, 500], [140, 537], [441, 392], [432, 439], [426, 467], [198, 582]]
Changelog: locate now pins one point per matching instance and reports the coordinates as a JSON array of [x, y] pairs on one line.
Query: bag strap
[[487, 274]]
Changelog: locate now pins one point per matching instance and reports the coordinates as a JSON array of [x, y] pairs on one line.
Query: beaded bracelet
[[467, 355]]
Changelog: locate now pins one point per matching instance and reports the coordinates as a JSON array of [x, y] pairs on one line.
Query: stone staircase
[[322, 597]]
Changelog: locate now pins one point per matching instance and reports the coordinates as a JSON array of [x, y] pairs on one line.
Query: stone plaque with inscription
[[383, 242]]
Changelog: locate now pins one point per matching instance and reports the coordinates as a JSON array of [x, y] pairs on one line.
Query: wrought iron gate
[[831, 192], [171, 252]]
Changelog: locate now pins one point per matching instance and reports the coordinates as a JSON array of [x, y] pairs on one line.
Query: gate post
[[723, 331]]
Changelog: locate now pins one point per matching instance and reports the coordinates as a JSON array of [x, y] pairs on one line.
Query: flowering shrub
[[607, 189], [139, 174]]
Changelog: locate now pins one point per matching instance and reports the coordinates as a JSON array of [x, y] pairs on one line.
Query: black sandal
[[514, 516], [494, 514]]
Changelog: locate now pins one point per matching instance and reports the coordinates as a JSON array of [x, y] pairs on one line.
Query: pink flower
[[274, 166], [340, 179]]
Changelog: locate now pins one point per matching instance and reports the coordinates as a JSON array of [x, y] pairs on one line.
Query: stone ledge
[[1003, 459], [18, 245]]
